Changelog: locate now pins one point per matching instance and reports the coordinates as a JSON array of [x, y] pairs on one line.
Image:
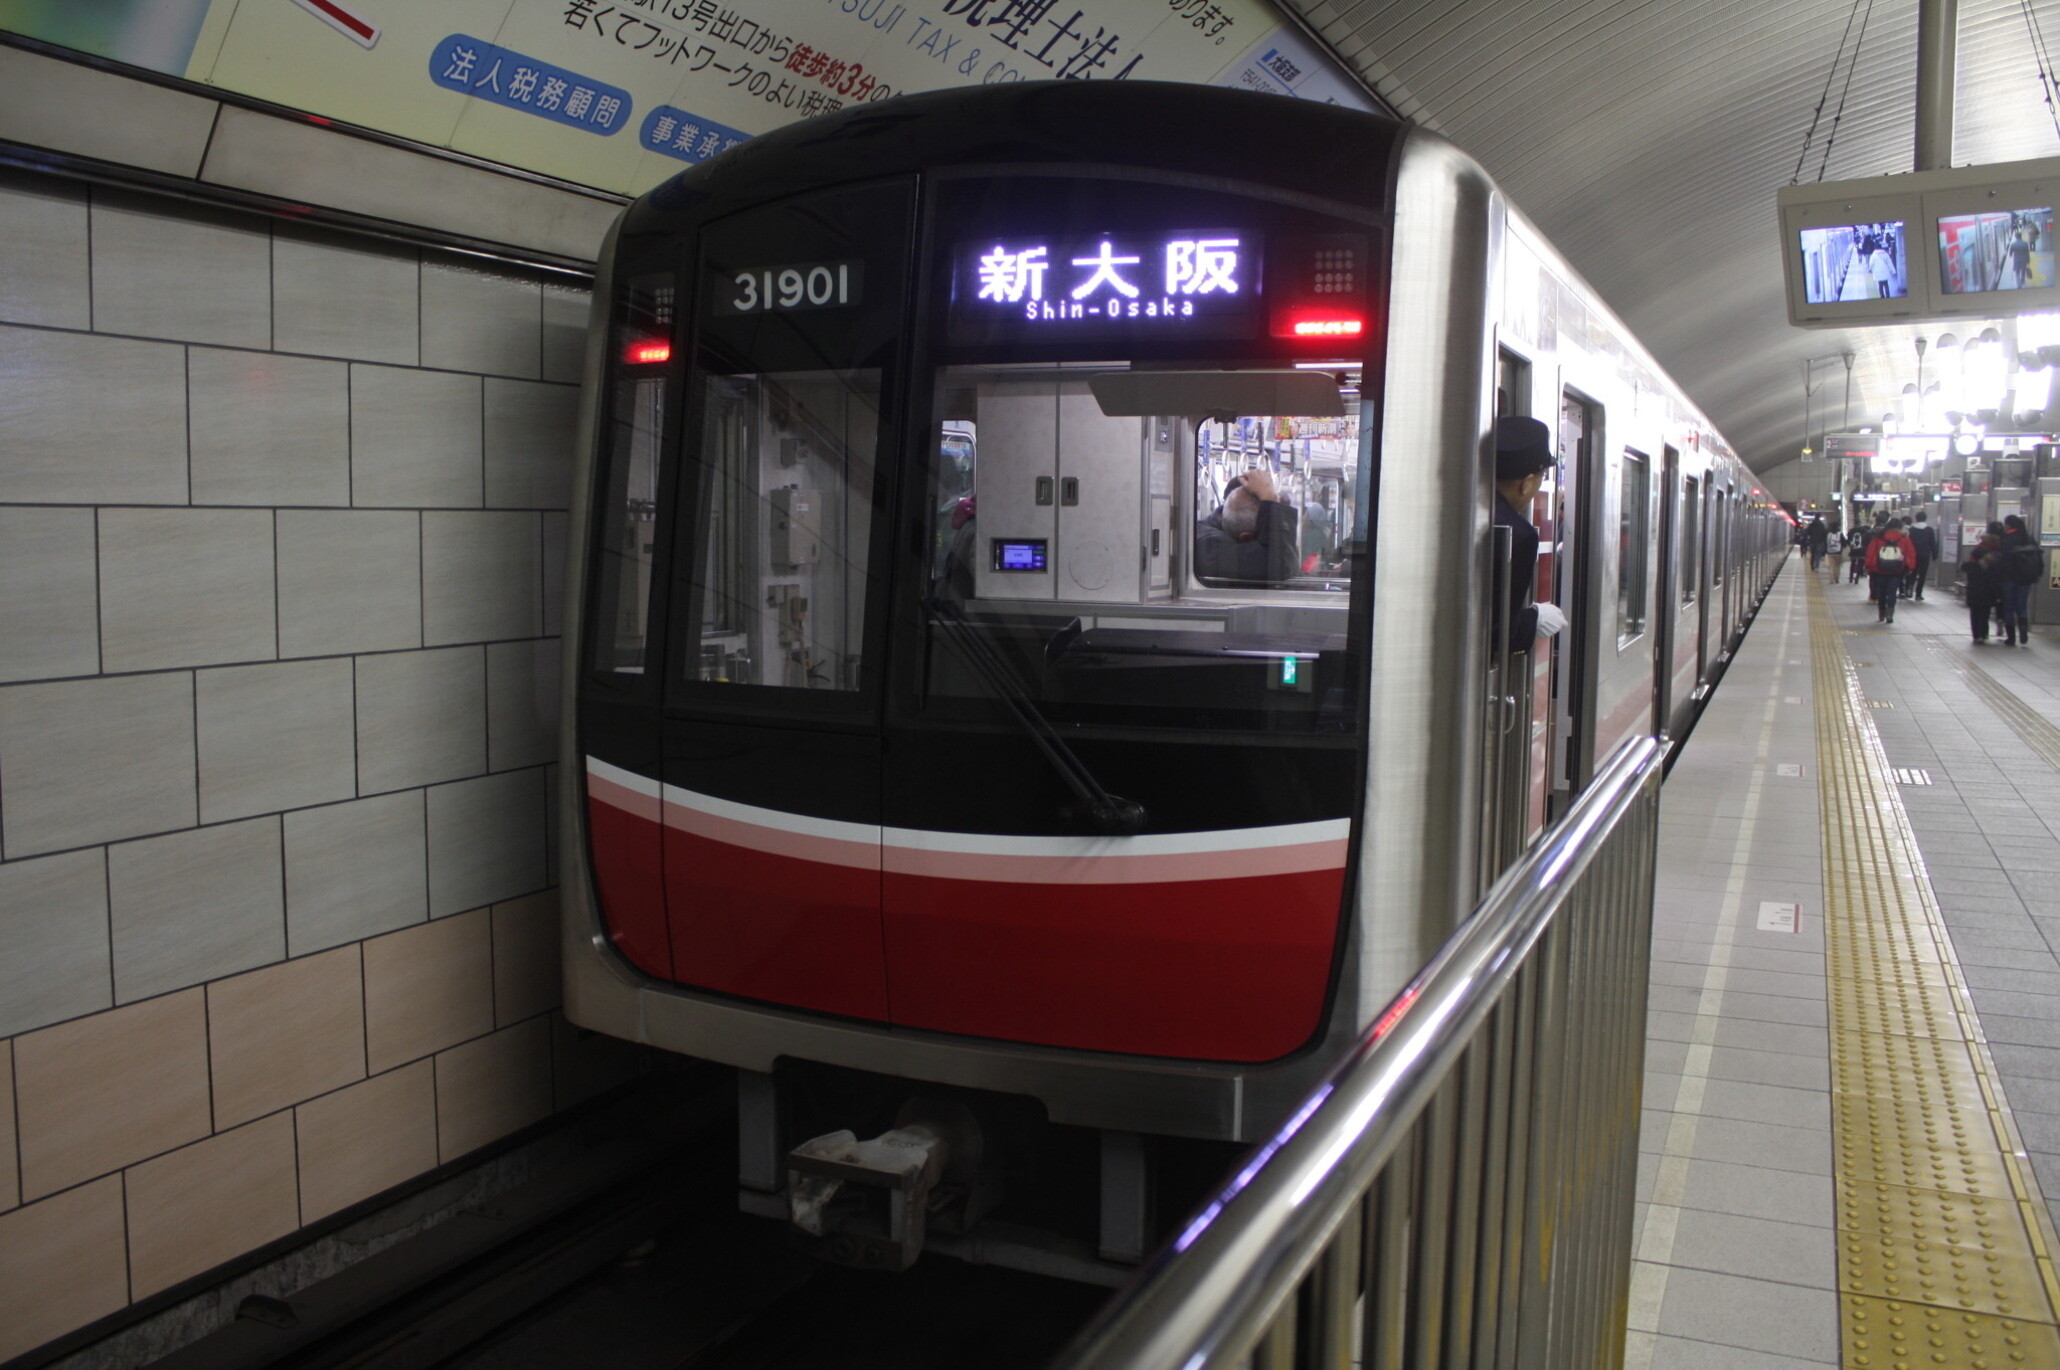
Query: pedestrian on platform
[[1889, 558], [1984, 574], [1814, 537], [2021, 566], [1924, 538]]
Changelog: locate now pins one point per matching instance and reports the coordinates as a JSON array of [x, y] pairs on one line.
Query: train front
[[971, 674]]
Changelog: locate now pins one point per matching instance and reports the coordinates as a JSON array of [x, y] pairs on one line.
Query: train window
[[798, 310], [1634, 545], [1691, 539], [1512, 384], [786, 477], [626, 527], [1088, 546]]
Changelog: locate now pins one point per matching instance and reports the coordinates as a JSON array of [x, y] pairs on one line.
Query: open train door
[[1665, 594], [1567, 657]]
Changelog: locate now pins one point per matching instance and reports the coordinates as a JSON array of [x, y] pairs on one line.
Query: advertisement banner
[[620, 94]]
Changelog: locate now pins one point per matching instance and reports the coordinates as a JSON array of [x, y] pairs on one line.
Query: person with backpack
[[2021, 558], [1889, 558], [1924, 538], [1983, 569], [1856, 540]]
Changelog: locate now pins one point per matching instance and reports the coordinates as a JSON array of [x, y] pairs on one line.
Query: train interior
[[1086, 522], [1086, 535]]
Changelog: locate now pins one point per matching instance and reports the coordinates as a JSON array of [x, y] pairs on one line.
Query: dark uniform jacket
[[1523, 570]]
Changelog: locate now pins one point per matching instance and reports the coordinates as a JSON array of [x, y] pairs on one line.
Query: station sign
[[1864, 446]]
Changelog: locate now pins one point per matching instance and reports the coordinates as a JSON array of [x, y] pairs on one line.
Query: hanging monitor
[[1965, 242], [1995, 246], [1850, 259]]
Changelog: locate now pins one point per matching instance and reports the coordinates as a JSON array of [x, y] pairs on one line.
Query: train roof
[[1301, 146]]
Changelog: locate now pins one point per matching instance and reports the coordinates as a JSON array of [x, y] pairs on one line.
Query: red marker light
[[649, 353], [1327, 320], [1329, 328]]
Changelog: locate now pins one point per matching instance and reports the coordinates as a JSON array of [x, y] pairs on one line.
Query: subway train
[[949, 751]]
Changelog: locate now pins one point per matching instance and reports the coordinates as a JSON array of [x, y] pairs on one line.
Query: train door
[[771, 728], [1664, 597], [1702, 498], [1573, 652], [1721, 577], [1507, 775]]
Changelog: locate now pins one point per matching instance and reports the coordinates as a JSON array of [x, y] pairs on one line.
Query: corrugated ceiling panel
[[1647, 139]]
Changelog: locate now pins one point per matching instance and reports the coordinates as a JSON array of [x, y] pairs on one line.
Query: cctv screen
[[1855, 262], [2009, 249]]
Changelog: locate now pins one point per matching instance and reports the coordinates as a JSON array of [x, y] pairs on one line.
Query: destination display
[[1070, 287]]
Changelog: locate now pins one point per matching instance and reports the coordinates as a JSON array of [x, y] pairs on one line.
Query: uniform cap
[[1523, 447]]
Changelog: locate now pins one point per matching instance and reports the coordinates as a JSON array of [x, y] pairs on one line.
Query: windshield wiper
[[1109, 813]]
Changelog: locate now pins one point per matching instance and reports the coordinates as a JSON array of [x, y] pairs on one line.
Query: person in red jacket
[[1890, 556]]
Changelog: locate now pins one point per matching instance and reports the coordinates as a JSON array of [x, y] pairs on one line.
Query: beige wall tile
[[342, 296], [91, 420], [211, 1202], [427, 988], [186, 587], [486, 840], [167, 270], [195, 906], [99, 1093], [268, 429], [525, 957], [53, 926], [489, 1088], [85, 761], [285, 1033], [43, 223], [370, 1137], [480, 320], [10, 1174], [49, 612], [61, 1265]]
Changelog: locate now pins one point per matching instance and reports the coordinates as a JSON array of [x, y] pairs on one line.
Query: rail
[[1458, 1191]]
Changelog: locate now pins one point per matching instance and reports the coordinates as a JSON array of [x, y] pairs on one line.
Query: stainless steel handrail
[[1401, 1167]]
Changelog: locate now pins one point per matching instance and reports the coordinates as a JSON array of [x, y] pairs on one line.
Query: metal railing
[[1458, 1191]]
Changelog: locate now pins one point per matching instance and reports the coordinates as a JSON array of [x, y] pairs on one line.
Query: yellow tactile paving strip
[[1945, 1248]]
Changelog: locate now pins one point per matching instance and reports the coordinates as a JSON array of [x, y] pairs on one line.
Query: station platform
[[1851, 1141]]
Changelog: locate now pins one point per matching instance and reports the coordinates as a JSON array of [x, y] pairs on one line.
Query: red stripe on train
[[1228, 970], [1222, 969]]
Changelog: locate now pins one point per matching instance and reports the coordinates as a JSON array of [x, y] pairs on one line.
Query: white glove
[[1550, 620]]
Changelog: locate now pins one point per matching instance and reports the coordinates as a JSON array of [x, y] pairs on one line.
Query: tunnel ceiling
[[1647, 139]]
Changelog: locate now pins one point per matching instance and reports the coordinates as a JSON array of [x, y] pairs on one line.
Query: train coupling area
[[873, 1200]]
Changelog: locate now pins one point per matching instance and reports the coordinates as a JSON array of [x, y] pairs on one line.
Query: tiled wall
[[279, 525]]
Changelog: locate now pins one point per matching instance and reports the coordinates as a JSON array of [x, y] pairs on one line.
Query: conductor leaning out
[[1523, 454]]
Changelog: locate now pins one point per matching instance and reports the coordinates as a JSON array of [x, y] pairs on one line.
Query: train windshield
[[1134, 546]]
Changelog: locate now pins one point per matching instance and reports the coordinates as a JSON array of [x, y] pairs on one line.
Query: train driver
[[1252, 536], [1523, 454]]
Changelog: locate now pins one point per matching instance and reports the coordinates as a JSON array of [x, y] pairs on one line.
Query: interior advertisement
[[620, 94]]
